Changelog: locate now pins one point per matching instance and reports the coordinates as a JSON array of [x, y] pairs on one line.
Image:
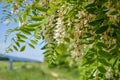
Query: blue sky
[[29, 52]]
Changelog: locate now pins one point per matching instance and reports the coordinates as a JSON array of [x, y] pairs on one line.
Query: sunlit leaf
[[32, 46], [22, 36], [45, 21], [18, 44], [33, 41], [37, 18], [37, 33], [25, 31], [20, 40], [88, 42], [61, 48], [84, 36], [22, 48], [15, 47], [33, 25], [59, 51], [41, 8]]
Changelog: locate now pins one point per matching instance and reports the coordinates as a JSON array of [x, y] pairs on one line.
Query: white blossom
[[109, 73], [59, 31]]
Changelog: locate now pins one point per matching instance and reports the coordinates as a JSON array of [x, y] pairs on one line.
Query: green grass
[[35, 71]]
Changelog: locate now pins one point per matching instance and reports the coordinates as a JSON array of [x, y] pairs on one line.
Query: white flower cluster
[[109, 73], [59, 32], [76, 54], [78, 48]]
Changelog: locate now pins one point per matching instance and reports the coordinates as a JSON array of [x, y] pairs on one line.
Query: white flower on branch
[[59, 22], [109, 73], [59, 32]]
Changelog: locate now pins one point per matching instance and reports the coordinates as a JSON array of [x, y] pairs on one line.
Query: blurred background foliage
[[82, 34], [36, 71]]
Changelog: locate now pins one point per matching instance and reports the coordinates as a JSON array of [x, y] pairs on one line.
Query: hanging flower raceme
[[78, 48], [76, 45], [59, 32]]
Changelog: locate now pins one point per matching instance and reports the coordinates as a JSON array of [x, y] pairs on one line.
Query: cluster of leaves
[[85, 33]]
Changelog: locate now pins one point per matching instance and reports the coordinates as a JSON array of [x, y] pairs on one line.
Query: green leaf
[[114, 13], [33, 41], [105, 54], [7, 24], [45, 21], [100, 16], [61, 48], [88, 41], [20, 19], [20, 40], [102, 69], [37, 33], [25, 31], [22, 36], [22, 48], [18, 44], [33, 25], [29, 29], [106, 22], [15, 47], [91, 8], [119, 67], [90, 5], [59, 51], [24, 17], [43, 9], [44, 47], [15, 20], [53, 8], [46, 54], [37, 18], [102, 9], [101, 2], [84, 36], [10, 49], [101, 29], [118, 36], [32, 46], [95, 22], [104, 62], [100, 44], [89, 62], [67, 40]]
